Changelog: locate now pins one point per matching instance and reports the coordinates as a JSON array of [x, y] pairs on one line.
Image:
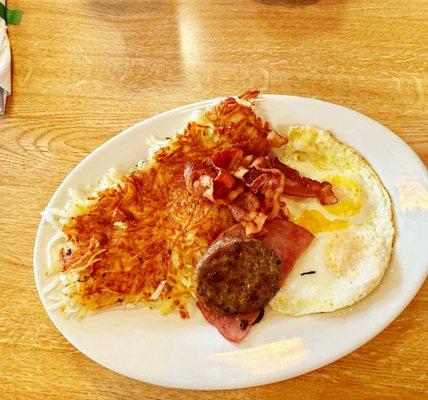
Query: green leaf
[[12, 17]]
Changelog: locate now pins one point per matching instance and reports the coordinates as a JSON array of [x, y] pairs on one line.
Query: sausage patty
[[238, 275]]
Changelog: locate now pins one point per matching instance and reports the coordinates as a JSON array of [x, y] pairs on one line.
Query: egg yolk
[[349, 194], [315, 222]]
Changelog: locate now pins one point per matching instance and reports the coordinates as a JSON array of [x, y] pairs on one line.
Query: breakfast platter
[[234, 242]]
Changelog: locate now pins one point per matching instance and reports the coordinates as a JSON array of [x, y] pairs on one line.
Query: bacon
[[216, 184], [297, 185], [225, 188], [247, 210], [256, 179], [233, 328], [294, 184], [270, 183], [251, 187], [229, 159]]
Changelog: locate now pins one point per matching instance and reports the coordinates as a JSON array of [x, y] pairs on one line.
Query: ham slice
[[233, 328], [289, 241], [286, 238]]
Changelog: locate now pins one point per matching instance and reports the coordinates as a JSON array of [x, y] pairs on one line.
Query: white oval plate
[[191, 353]]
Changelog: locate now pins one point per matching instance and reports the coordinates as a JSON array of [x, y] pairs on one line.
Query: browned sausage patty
[[238, 275]]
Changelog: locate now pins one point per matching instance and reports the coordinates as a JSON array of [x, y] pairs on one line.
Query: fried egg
[[353, 238]]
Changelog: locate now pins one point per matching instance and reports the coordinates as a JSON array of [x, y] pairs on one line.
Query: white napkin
[[5, 72]]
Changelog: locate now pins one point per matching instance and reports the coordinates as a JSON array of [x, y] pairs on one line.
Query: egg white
[[350, 260]]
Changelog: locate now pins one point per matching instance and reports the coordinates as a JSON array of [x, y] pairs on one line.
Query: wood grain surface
[[84, 70]]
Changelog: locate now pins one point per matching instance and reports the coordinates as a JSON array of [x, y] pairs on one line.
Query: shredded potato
[[139, 236]]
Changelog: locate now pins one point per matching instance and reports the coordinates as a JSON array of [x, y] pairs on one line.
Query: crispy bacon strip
[[294, 183], [229, 159], [246, 209], [216, 184], [252, 188], [270, 183], [297, 185]]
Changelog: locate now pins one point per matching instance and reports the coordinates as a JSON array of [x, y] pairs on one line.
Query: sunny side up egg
[[353, 238]]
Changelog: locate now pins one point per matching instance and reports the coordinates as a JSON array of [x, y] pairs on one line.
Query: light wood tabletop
[[84, 70]]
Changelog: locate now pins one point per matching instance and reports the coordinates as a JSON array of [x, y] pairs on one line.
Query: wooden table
[[86, 69]]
